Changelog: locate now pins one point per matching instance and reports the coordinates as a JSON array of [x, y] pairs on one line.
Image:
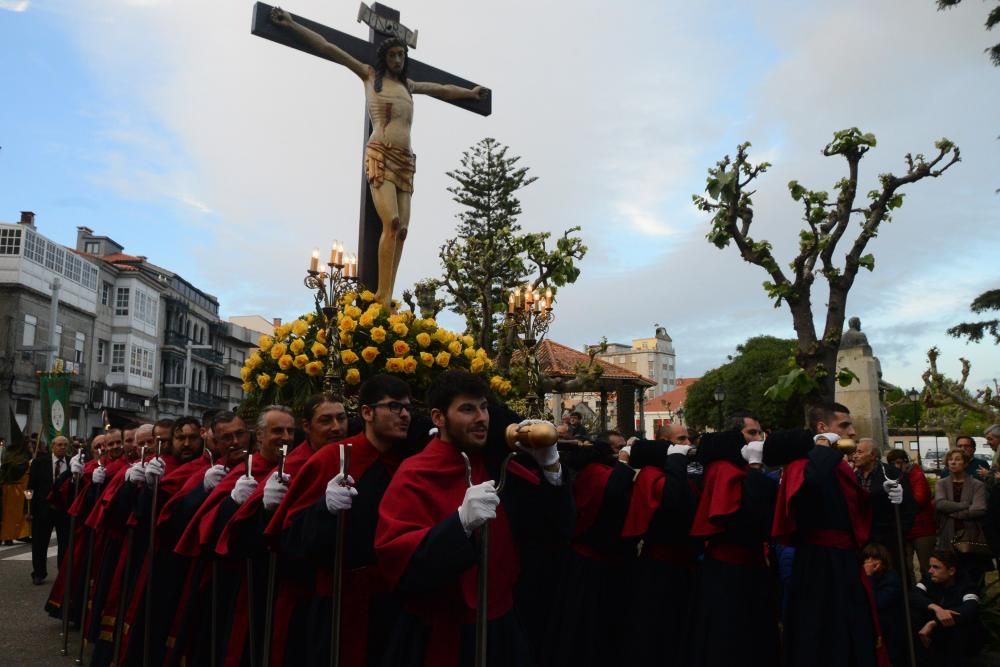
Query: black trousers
[[41, 533]]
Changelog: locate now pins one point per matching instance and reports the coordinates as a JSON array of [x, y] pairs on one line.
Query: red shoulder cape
[[588, 494], [721, 496], [647, 494], [858, 501]]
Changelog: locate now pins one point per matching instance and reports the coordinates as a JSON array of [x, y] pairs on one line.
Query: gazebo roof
[[557, 360]]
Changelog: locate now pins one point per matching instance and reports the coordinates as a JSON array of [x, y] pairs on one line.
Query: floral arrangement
[[291, 364]]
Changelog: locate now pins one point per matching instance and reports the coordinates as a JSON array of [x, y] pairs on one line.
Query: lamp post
[[914, 397], [719, 395], [329, 286], [529, 313]]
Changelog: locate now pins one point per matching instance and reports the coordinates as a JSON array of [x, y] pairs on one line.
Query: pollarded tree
[[827, 220]]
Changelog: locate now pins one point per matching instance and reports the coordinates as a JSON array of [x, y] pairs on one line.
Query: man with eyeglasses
[[305, 524]]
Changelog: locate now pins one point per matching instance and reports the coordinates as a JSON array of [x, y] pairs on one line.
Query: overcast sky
[[167, 126]]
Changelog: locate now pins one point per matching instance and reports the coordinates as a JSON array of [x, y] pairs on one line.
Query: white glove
[[245, 486], [76, 464], [213, 476], [274, 491], [478, 506], [338, 496], [894, 490], [753, 452], [154, 469], [678, 449], [832, 438], [99, 475], [135, 474]]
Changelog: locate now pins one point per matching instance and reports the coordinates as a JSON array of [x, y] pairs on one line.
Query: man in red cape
[[736, 617], [830, 618], [306, 524], [242, 541], [427, 539]]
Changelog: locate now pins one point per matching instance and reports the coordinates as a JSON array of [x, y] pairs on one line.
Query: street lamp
[[719, 395], [914, 397]]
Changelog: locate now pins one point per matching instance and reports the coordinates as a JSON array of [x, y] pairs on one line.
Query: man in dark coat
[[46, 469]]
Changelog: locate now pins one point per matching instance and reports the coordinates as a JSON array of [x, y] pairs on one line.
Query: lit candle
[[510, 304], [548, 294], [340, 253], [352, 263], [314, 260], [333, 253]]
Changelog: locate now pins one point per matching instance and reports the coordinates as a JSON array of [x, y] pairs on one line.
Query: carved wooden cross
[[383, 23]]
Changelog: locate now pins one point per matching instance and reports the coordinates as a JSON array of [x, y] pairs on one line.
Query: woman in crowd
[[960, 502]]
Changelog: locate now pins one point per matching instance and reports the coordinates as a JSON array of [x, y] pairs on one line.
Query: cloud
[[15, 5], [618, 114]]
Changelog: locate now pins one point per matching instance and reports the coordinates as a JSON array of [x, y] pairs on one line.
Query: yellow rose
[[378, 334], [369, 354], [309, 317], [395, 319], [280, 379], [346, 340], [394, 365], [407, 316], [282, 331], [319, 350], [443, 359], [366, 320], [264, 343], [423, 340], [367, 296], [314, 368], [477, 365], [400, 348], [468, 340], [375, 309], [247, 387], [429, 322], [349, 298], [441, 336], [300, 327], [263, 380], [400, 329], [455, 347], [277, 350], [301, 361], [346, 324], [285, 362], [254, 360], [353, 376], [321, 335], [352, 311], [297, 345], [427, 359], [505, 388], [469, 353], [245, 373], [348, 357], [495, 382], [409, 365], [481, 353]]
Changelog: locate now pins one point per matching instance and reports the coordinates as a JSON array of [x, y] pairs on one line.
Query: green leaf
[[868, 261]]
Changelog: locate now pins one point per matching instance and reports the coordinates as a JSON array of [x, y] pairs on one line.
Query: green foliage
[[974, 332], [489, 255], [757, 365], [992, 19]]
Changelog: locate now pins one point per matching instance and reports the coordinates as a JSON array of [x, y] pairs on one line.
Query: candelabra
[[329, 286], [529, 315]]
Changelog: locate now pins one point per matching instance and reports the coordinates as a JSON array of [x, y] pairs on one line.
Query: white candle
[[314, 260]]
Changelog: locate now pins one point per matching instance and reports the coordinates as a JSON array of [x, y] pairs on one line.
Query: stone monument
[[862, 397]]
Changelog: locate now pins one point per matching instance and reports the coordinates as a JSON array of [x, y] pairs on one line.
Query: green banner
[[54, 392]]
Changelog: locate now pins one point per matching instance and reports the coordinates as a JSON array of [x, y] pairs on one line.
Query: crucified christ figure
[[389, 161]]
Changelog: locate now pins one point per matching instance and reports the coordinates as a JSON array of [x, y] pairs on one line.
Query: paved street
[[29, 637]]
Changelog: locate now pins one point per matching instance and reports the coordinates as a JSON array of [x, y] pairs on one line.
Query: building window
[[118, 357], [141, 362], [121, 301], [10, 241], [30, 325], [102, 351], [106, 288], [79, 346], [92, 247], [34, 247]]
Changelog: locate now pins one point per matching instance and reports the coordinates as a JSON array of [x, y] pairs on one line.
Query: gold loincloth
[[389, 163]]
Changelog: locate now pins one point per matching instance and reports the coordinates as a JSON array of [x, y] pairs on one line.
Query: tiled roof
[[675, 397], [557, 360]]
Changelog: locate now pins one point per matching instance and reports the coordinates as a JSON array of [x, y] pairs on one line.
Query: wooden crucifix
[[391, 77]]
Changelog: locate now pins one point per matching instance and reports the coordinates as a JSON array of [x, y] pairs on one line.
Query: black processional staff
[[85, 601], [338, 563], [906, 567], [68, 596], [272, 574], [150, 560], [251, 616], [123, 600]]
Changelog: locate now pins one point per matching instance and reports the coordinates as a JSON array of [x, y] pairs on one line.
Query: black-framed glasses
[[395, 407]]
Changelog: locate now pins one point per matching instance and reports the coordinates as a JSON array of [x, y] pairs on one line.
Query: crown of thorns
[[384, 47]]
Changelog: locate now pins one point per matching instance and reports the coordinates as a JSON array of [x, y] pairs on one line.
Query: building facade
[[652, 357]]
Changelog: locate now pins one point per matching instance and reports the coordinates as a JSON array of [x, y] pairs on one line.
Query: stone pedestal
[[862, 396]]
